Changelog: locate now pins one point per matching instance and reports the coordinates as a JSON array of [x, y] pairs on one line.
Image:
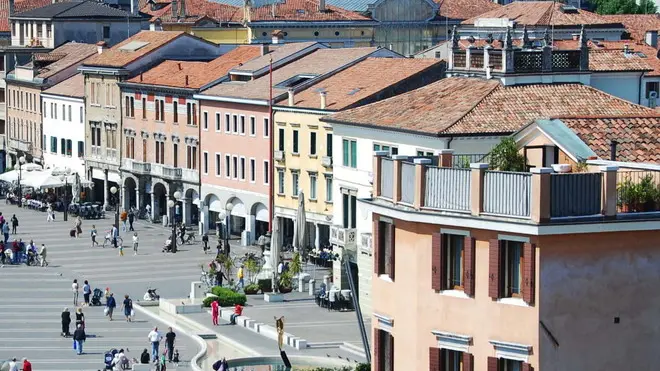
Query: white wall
[[62, 128], [645, 102], [623, 85]]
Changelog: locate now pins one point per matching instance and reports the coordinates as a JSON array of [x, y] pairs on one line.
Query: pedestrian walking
[[76, 291], [241, 283], [93, 235], [121, 250], [205, 242], [49, 211], [87, 290], [80, 317], [131, 219], [12, 365], [14, 224], [66, 321], [215, 312], [5, 231], [114, 232], [169, 343], [27, 366], [42, 253], [127, 305], [154, 338], [78, 226], [123, 217], [136, 240], [79, 338], [219, 275], [110, 305]]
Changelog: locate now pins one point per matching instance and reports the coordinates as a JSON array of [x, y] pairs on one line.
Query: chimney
[[140, 76], [175, 9], [321, 5], [626, 49], [613, 144], [323, 96], [264, 49], [652, 38], [291, 96], [277, 36], [273, 9], [179, 66], [11, 7], [101, 46]]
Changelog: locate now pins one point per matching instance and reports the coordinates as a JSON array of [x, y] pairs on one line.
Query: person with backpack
[[205, 241], [127, 305], [110, 305]]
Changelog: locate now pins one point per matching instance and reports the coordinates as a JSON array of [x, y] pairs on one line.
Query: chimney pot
[[180, 66], [323, 99], [175, 9], [291, 97], [264, 49], [140, 76], [101, 46]]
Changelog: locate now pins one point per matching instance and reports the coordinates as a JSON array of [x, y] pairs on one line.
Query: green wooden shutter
[[353, 154], [345, 145]]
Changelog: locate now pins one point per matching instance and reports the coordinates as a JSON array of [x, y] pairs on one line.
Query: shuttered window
[[385, 246], [512, 270]]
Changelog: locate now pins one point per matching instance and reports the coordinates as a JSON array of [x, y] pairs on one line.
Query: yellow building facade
[[303, 163]]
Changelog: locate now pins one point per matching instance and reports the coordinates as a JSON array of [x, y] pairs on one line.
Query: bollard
[[301, 283], [312, 287]]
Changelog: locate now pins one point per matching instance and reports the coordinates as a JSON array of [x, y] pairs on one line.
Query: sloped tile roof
[[637, 24], [302, 11], [317, 63], [476, 106], [174, 73], [465, 9], [114, 57], [638, 137], [67, 55], [196, 10], [19, 6], [614, 60], [277, 53], [542, 13], [73, 87], [74, 9], [648, 53], [362, 81]]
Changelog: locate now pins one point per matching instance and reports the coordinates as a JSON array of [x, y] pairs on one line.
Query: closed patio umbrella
[[300, 232]]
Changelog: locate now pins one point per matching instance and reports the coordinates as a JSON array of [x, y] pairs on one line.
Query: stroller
[[108, 357], [96, 298], [168, 245]]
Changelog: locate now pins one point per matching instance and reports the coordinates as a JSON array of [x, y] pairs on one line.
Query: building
[[561, 20], [494, 266], [240, 144], [463, 116], [304, 147], [64, 128], [638, 26], [103, 105], [159, 106], [24, 107], [80, 21]]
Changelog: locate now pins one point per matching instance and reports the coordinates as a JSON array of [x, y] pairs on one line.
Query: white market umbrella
[[275, 250], [299, 234], [9, 176]]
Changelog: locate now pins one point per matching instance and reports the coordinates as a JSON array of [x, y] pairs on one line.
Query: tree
[[506, 157], [624, 7]]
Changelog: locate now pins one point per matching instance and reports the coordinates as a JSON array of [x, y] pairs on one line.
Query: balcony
[[166, 172], [326, 161], [20, 145], [279, 155], [366, 243], [344, 237], [136, 167], [96, 151], [536, 197], [111, 153], [190, 175]]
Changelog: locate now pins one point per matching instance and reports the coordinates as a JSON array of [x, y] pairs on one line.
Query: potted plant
[[506, 157], [285, 283], [296, 266], [627, 195], [647, 191], [251, 289]]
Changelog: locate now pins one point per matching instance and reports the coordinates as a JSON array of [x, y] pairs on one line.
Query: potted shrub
[[646, 190], [225, 297], [506, 156], [251, 289], [265, 285], [627, 195], [285, 283]]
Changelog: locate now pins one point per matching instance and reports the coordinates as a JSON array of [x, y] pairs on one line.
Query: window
[[385, 249], [206, 163], [205, 120], [312, 143], [235, 167], [53, 144], [160, 110], [144, 150], [55, 111], [266, 127], [328, 144], [454, 262], [242, 168], [160, 152], [189, 114], [294, 183], [64, 112], [295, 141], [242, 125], [349, 200], [194, 113], [63, 146], [383, 147], [424, 153], [81, 114], [81, 149], [69, 147], [652, 86], [70, 113], [130, 147], [44, 109], [191, 157], [227, 123], [2, 95], [253, 126], [280, 135], [504, 364], [227, 166], [144, 108], [328, 188], [217, 164], [266, 172], [106, 32], [312, 186], [175, 154], [512, 265], [130, 107], [253, 170], [280, 181], [385, 344], [48, 30], [175, 112], [235, 117], [350, 153], [217, 121], [450, 360]]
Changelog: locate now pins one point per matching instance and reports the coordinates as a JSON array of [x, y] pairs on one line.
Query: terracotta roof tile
[[465, 9], [615, 60], [361, 81], [638, 137], [174, 73], [65, 56], [303, 10], [196, 10], [542, 13], [276, 53], [114, 57], [637, 24], [317, 63], [648, 53], [476, 106], [72, 87], [19, 6]]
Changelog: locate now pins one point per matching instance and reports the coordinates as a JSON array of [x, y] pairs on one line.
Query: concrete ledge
[[272, 297], [181, 306], [264, 330], [142, 367], [146, 303], [303, 361]]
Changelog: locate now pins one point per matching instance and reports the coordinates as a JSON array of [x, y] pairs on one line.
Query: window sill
[[313, 200], [191, 125], [329, 202], [95, 105], [294, 196], [313, 156], [513, 301], [386, 278], [455, 293], [295, 154], [281, 194], [159, 121]]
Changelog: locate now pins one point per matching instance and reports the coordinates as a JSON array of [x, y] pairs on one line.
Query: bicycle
[[206, 280], [108, 241]]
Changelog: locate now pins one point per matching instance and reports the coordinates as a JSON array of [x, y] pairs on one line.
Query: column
[[317, 236], [477, 187], [250, 226], [137, 196], [153, 205], [106, 190], [185, 210], [124, 198]]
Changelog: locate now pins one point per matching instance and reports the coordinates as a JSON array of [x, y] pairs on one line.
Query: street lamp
[[66, 202], [229, 206], [21, 161], [171, 204], [115, 197]]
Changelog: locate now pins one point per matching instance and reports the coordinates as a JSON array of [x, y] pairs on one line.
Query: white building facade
[[64, 131]]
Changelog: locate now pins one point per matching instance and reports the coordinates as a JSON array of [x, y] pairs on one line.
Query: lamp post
[[229, 206], [115, 197], [21, 162], [172, 204], [66, 201]]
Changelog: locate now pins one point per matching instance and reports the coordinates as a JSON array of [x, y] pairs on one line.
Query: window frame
[[218, 122], [281, 182], [508, 272], [328, 188], [266, 127], [205, 120], [227, 166], [218, 164], [295, 142], [266, 172], [253, 126], [313, 186], [451, 251], [295, 183], [205, 162]]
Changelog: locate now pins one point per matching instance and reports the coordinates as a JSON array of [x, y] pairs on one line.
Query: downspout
[[200, 227], [271, 160]]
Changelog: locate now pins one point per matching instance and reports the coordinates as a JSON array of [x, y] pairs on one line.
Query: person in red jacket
[[27, 366]]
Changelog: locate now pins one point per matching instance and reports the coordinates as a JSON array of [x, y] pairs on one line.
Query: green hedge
[[363, 367], [225, 297]]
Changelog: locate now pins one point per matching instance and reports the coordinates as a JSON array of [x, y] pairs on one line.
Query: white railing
[[111, 152], [279, 155], [96, 151], [341, 236], [326, 161], [190, 175], [366, 243]]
